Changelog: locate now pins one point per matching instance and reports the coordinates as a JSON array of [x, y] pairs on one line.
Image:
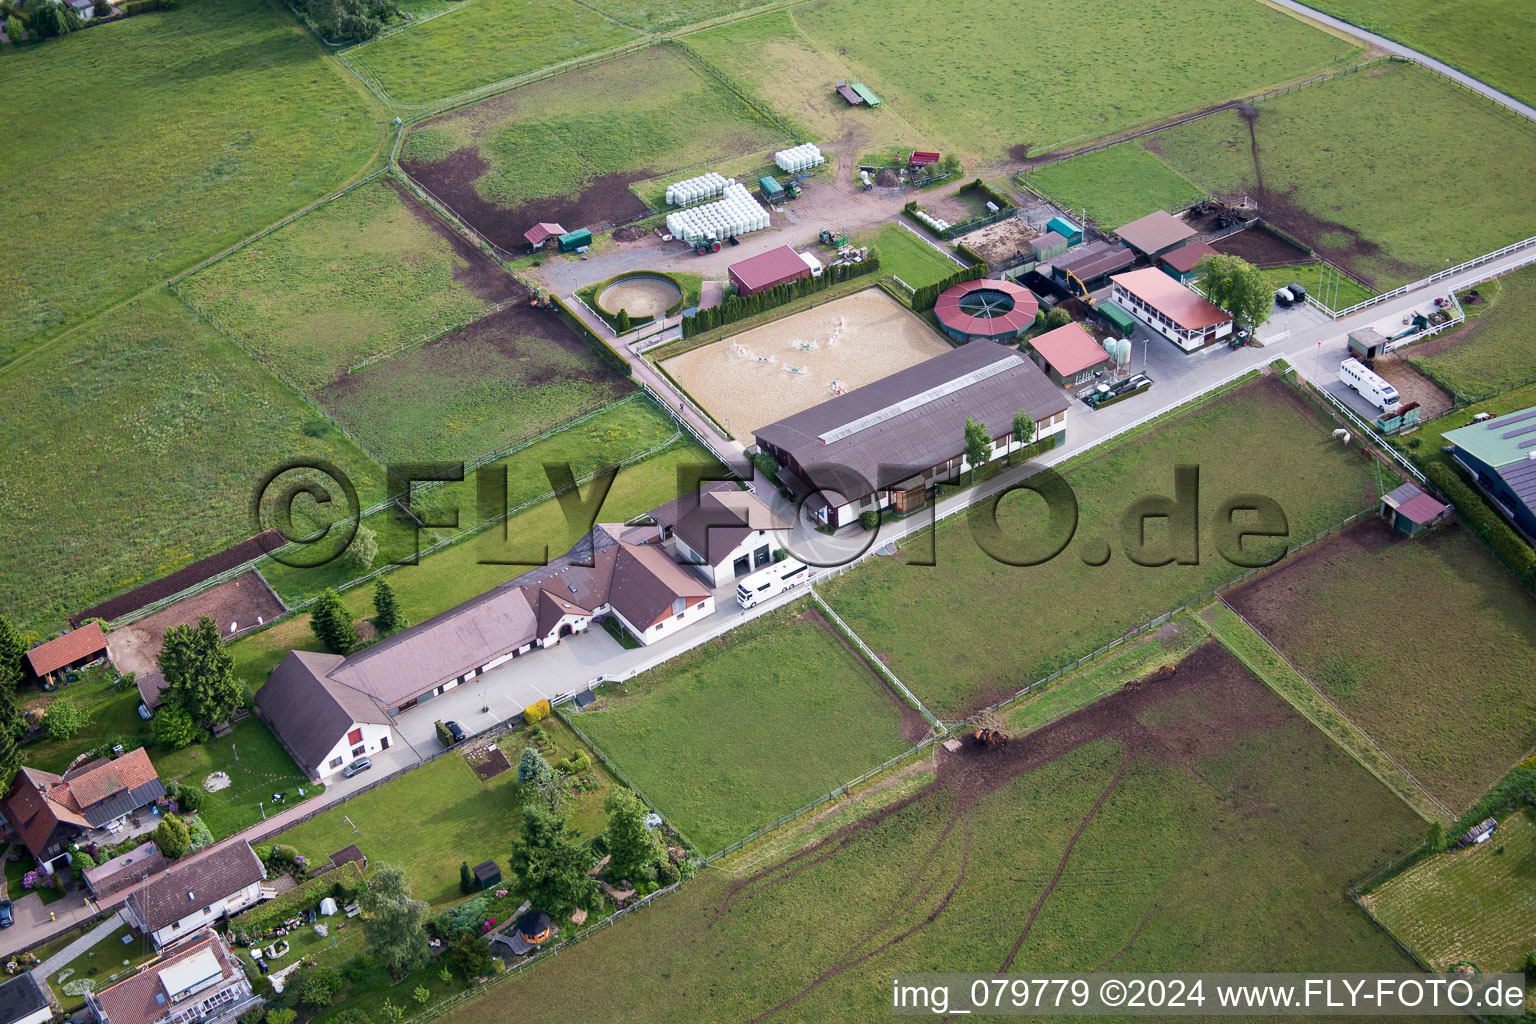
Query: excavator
[[1077, 288]]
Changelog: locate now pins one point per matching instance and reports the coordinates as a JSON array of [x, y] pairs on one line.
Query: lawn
[[257, 766], [440, 814], [623, 430], [1488, 39], [1115, 185], [670, 15], [203, 124], [904, 255], [1495, 352], [1457, 715], [113, 958], [453, 575], [169, 428], [483, 41], [939, 627], [565, 141], [1175, 851], [725, 739], [358, 278], [1386, 213], [114, 718], [970, 87], [783, 67], [1321, 282], [1474, 905]]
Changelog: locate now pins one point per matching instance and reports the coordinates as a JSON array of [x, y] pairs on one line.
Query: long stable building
[[887, 444], [1171, 309], [1500, 455]]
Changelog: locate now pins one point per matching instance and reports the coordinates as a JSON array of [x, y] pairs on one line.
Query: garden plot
[[1425, 644], [563, 150], [773, 371], [1165, 828]]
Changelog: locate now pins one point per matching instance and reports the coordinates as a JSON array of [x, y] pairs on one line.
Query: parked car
[[7, 916], [1284, 298], [455, 730], [1298, 293], [357, 767]]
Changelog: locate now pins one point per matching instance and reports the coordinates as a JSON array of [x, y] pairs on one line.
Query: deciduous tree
[[174, 728], [362, 552], [64, 718], [470, 956], [1238, 287], [394, 922], [1023, 427], [978, 445]]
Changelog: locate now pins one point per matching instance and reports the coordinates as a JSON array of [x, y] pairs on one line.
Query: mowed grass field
[[725, 738], [355, 279], [480, 42], [952, 78], [1488, 39], [559, 137], [624, 430], [135, 447], [1492, 353], [441, 814], [941, 627], [1332, 171], [1115, 185], [770, 56], [1474, 905], [188, 129], [904, 255], [667, 15], [1155, 831], [455, 574], [1424, 644]]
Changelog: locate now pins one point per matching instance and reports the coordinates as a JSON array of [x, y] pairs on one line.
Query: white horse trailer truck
[[771, 582], [1368, 385]]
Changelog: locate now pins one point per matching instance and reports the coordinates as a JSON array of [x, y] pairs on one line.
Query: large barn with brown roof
[[51, 811]]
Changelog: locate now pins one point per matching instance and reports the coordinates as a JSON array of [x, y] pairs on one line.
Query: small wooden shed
[[487, 874]]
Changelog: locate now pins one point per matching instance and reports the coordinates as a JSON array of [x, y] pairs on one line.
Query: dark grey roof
[[668, 515], [1095, 260], [309, 712], [931, 433], [151, 688], [20, 997], [208, 878], [719, 523], [1521, 478], [119, 804], [487, 870], [1402, 494], [646, 582]]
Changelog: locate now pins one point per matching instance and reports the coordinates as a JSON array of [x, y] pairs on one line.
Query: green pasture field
[[358, 278], [202, 125], [1101, 857], [623, 430], [670, 15], [1473, 905], [937, 627], [971, 88], [1335, 172], [904, 255], [1316, 281], [721, 737], [441, 814], [169, 427], [481, 42], [1457, 715], [1115, 185], [1488, 39], [553, 138], [1494, 352], [793, 75], [460, 571]]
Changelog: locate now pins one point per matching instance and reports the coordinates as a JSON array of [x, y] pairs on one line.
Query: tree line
[[740, 307]]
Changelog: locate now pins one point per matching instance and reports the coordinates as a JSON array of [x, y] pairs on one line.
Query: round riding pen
[[994, 310], [770, 372], [641, 295]]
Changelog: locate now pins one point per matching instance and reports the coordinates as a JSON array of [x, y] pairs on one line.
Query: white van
[[1368, 385], [769, 582]]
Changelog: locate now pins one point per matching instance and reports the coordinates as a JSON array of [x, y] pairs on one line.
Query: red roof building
[[51, 811], [1180, 263], [75, 648], [989, 309], [1170, 309], [542, 232], [764, 271], [1068, 354]]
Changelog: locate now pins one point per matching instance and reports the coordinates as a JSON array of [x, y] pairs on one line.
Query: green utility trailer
[[574, 240]]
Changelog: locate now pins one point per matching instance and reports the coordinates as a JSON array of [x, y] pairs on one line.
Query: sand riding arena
[[752, 379]]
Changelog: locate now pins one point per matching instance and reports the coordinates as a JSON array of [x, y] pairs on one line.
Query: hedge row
[[606, 352], [924, 298], [988, 193], [1486, 523], [343, 884], [740, 307], [966, 252]]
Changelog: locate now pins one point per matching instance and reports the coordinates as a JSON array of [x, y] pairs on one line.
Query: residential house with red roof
[[49, 812], [199, 982]]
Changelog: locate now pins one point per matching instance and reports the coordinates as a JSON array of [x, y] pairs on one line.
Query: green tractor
[[835, 239]]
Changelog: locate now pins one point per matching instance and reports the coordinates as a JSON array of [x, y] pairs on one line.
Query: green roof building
[[1500, 454], [1121, 322]]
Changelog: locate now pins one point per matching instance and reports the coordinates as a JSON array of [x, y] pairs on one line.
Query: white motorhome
[[772, 581], [1368, 385]]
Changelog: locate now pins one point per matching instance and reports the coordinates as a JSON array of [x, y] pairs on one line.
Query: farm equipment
[[707, 246], [835, 239], [1077, 288], [985, 738], [921, 158]]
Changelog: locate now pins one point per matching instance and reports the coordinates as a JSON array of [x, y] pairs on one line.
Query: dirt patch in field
[[1000, 243], [606, 200], [244, 602], [1261, 248], [630, 233], [1269, 600], [181, 579], [914, 727], [1414, 386], [483, 278], [488, 764]]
